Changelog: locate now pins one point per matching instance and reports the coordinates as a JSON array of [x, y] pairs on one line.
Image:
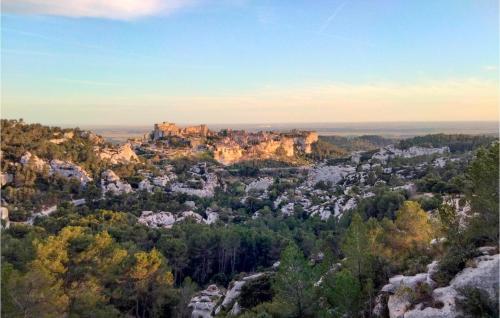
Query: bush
[[256, 291], [453, 262], [477, 303]]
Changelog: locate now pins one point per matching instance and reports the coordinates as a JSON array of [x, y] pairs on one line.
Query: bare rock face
[[270, 148], [6, 178], [400, 290], [155, 220], [166, 129], [208, 182], [124, 153], [60, 139], [29, 159], [333, 174], [70, 170], [228, 153], [305, 140], [230, 301], [391, 151], [167, 219], [62, 168], [111, 183], [92, 137], [261, 184], [4, 215], [203, 304]]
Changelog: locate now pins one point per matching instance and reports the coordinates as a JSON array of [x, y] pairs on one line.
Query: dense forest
[[457, 143], [96, 260]]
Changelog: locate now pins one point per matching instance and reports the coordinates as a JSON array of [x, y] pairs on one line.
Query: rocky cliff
[[230, 146], [417, 296], [124, 153]]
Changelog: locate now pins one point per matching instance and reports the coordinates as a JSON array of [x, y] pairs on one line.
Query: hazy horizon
[[120, 133]]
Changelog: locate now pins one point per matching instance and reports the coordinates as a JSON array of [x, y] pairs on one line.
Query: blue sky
[[138, 62]]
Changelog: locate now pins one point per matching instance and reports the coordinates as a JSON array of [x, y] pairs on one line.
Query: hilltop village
[[221, 208], [230, 146]]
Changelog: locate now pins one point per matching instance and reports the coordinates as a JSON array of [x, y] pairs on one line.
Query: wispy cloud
[[109, 9], [95, 49], [332, 17], [490, 68], [88, 82]]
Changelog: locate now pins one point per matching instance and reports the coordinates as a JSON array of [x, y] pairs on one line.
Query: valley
[[234, 220]]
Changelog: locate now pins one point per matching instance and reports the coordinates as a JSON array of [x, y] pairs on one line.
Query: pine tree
[[294, 283], [356, 248]]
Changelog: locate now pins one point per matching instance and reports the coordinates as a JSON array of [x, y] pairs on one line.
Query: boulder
[[6, 178], [4, 215], [29, 158], [70, 170], [261, 184], [124, 153], [230, 302], [203, 303], [155, 220], [111, 183], [398, 294]]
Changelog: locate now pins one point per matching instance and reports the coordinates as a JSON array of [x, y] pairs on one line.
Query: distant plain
[[118, 134]]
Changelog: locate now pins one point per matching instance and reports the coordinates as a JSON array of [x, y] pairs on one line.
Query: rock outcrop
[[6, 178], [111, 183], [166, 129], [168, 219], [60, 139], [230, 146], [228, 153], [333, 174], [124, 153], [155, 220], [261, 184], [391, 151], [398, 297], [207, 182], [70, 170], [304, 140], [203, 303], [29, 159], [4, 216]]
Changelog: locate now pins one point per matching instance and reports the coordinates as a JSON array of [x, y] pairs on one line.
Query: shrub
[[477, 303], [453, 262]]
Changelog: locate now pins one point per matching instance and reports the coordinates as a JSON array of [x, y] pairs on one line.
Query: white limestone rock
[[155, 220], [69, 170], [325, 173], [484, 276], [234, 291], [191, 216], [203, 304], [212, 217], [29, 158], [124, 153], [207, 190], [261, 184], [6, 178], [391, 151], [288, 209], [190, 204], [111, 183], [4, 215], [145, 185]]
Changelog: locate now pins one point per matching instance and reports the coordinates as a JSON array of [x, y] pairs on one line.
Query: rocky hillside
[[231, 146], [159, 228]]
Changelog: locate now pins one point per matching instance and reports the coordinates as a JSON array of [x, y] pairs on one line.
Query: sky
[[135, 62]]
